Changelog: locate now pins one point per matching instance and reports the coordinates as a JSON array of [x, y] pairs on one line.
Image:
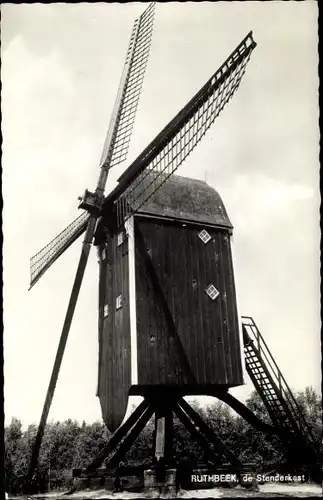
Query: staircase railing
[[271, 384]]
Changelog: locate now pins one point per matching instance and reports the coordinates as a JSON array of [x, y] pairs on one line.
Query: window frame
[[118, 302], [212, 291], [204, 236], [120, 238]]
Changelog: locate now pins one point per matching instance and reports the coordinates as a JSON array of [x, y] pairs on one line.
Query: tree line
[[69, 444]]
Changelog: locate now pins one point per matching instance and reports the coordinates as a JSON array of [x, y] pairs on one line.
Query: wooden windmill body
[[167, 302], [168, 322], [167, 308]]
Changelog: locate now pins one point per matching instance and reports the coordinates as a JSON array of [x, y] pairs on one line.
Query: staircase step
[[277, 396]]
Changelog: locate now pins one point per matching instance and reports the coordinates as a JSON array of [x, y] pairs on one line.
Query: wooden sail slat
[[170, 148]]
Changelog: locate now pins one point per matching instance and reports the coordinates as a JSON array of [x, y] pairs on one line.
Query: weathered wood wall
[[114, 333], [205, 333], [208, 329]]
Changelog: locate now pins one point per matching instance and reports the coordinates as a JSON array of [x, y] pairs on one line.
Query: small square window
[[119, 302], [212, 292], [106, 310], [120, 238], [204, 236]]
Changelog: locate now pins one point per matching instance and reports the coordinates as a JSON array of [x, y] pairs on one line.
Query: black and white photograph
[[161, 250]]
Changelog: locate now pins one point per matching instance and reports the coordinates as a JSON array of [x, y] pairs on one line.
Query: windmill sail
[[114, 142], [176, 141], [119, 134], [117, 138], [42, 260]]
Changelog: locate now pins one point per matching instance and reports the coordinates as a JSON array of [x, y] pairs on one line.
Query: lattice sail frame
[[117, 139], [115, 151], [170, 148], [39, 262]]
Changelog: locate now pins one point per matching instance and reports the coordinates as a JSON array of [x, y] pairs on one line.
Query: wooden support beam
[[245, 413], [209, 433], [199, 438], [114, 441], [131, 437], [163, 401], [160, 437], [169, 437]]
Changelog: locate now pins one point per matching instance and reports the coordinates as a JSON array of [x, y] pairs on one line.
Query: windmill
[[127, 227]]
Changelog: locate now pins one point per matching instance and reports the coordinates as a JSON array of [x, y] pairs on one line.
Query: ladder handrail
[[285, 418], [284, 388], [280, 375]]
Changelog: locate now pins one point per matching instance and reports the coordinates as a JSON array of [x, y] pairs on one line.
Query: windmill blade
[[176, 141], [117, 138], [43, 259], [119, 133], [90, 228], [132, 75]]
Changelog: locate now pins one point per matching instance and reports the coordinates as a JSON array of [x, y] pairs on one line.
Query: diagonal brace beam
[[209, 433], [199, 438], [131, 437], [118, 436], [115, 440], [246, 414]]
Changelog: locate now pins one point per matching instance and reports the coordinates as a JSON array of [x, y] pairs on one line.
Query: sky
[[61, 65]]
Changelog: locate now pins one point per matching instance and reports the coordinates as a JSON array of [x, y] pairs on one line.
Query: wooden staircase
[[277, 397]]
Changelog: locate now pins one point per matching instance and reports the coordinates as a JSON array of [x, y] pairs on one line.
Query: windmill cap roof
[[188, 199]]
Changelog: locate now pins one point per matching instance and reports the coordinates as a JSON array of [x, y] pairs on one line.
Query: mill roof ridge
[[188, 199]]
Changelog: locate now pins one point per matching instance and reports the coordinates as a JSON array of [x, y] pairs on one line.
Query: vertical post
[[164, 406], [169, 436], [160, 447], [160, 437]]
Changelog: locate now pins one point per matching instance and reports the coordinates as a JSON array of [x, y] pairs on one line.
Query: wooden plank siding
[[208, 329], [114, 337], [181, 333]]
